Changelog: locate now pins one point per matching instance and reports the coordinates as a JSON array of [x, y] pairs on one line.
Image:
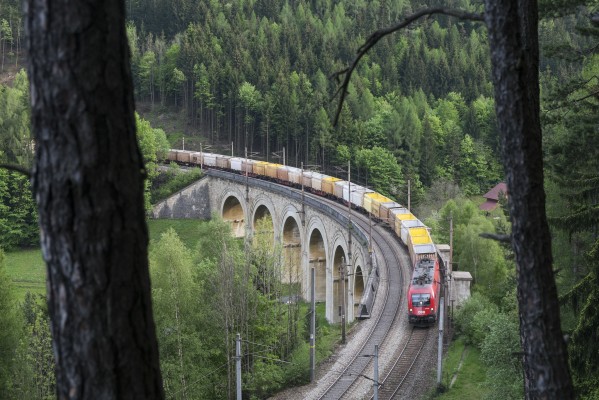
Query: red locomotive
[[423, 293]]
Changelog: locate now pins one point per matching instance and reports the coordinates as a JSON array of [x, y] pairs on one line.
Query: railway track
[[390, 259], [388, 327], [403, 365]]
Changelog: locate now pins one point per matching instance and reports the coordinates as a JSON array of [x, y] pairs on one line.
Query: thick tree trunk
[[88, 183], [513, 39]]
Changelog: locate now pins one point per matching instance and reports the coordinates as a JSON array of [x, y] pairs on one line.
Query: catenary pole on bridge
[[349, 255], [238, 365], [312, 324]]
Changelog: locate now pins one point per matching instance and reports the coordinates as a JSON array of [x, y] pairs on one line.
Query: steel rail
[[388, 248], [403, 364]]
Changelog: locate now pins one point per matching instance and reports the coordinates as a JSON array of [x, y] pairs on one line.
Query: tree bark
[[513, 39], [88, 183]]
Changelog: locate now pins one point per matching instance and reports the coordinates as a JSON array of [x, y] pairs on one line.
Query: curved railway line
[[403, 365], [356, 376], [400, 345], [389, 262]]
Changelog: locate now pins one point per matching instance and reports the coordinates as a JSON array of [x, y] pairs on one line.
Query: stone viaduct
[[311, 233]]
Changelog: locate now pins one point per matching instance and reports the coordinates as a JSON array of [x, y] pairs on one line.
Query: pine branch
[[381, 33], [16, 168], [582, 288]]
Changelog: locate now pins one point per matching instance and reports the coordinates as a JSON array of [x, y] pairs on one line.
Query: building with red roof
[[492, 197]]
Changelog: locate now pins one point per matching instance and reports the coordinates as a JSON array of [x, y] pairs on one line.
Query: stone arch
[[263, 210], [358, 287], [291, 238], [233, 211], [317, 258], [340, 286]]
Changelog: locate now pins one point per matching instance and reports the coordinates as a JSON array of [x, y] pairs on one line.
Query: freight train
[[425, 284]]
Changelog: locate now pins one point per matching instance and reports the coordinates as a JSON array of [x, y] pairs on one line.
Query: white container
[[236, 163], [357, 195], [405, 228], [295, 175], [210, 159], [317, 180]]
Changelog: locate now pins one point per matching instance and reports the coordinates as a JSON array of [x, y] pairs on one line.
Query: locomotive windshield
[[421, 300]]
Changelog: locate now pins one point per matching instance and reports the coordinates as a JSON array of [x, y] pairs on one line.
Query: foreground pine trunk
[[88, 183], [513, 40]]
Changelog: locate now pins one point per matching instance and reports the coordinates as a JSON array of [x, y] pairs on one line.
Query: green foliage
[[471, 329], [485, 259], [175, 305], [496, 333], [384, 173], [270, 90], [463, 362], [222, 288], [174, 179], [9, 333], [16, 145], [154, 147], [499, 352], [571, 140], [34, 376], [18, 213]]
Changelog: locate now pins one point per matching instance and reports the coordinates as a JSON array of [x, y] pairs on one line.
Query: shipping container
[[372, 205], [210, 159], [328, 185], [196, 158], [406, 224], [399, 218], [307, 179], [283, 173], [393, 221], [385, 210], [341, 188], [247, 165], [419, 235], [295, 175], [236, 163], [317, 178], [223, 162], [184, 156], [422, 251], [260, 168], [356, 194], [270, 170]]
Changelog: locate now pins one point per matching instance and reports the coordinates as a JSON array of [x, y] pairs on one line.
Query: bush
[[467, 322], [171, 181], [18, 212]]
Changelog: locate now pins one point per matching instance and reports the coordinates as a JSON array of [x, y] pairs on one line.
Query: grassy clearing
[[187, 229], [470, 378], [28, 271]]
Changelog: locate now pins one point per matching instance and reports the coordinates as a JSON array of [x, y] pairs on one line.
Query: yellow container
[[377, 199], [328, 184], [402, 217], [420, 235], [271, 170], [260, 168]]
